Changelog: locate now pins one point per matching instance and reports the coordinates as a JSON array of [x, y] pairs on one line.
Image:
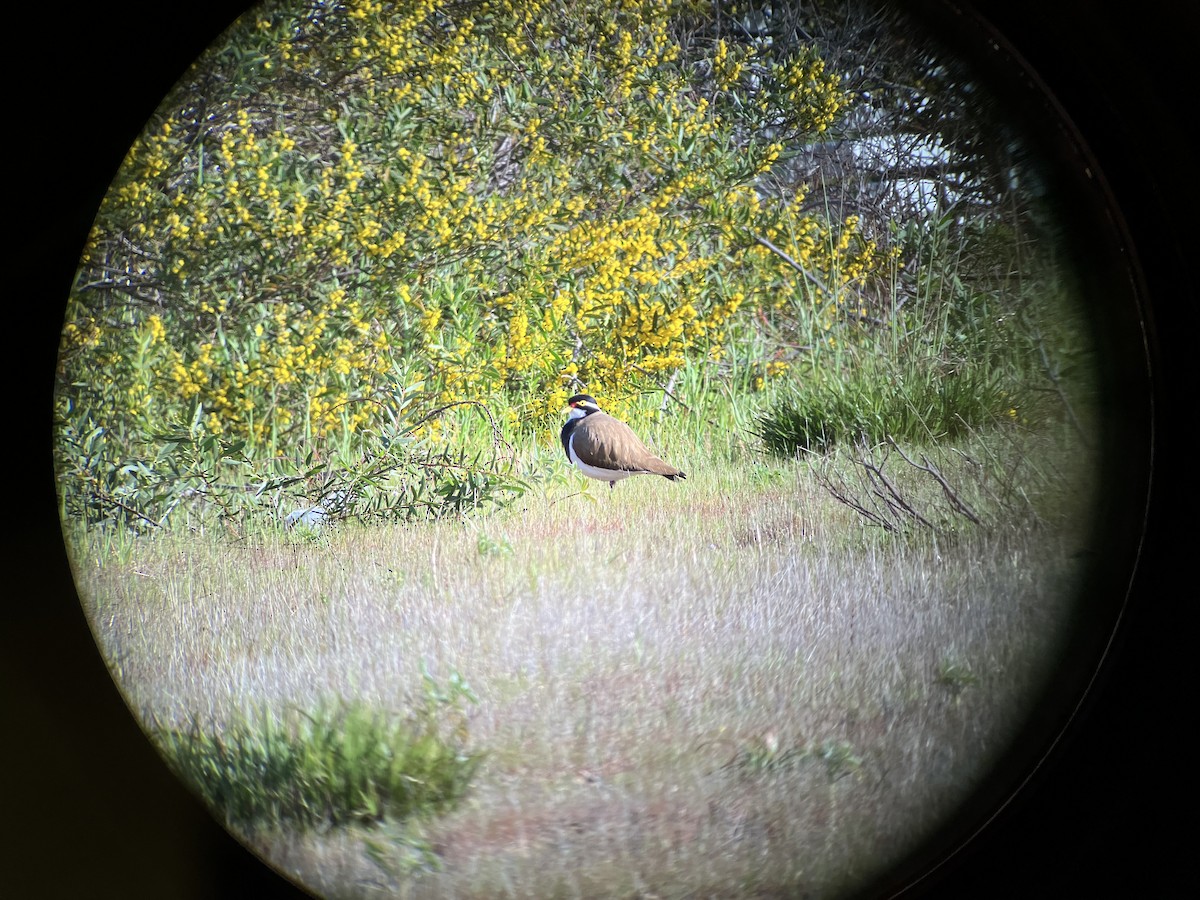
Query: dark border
[[95, 812]]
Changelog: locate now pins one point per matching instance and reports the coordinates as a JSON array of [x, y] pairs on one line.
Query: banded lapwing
[[605, 448]]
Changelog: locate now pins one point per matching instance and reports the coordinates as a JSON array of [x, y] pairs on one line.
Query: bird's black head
[[585, 402]]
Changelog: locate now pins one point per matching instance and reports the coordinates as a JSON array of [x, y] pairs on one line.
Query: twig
[[567, 497], [129, 509], [667, 391], [791, 262], [1058, 388], [870, 515], [497, 436], [931, 469], [820, 285], [897, 502], [665, 388]]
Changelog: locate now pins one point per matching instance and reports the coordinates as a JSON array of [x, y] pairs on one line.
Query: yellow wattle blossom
[[505, 201], [154, 325]]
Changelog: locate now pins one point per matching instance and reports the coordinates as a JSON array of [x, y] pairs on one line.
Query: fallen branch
[[961, 507], [844, 498], [896, 501]]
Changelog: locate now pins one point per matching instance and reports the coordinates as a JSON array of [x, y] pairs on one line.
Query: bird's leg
[[611, 485]]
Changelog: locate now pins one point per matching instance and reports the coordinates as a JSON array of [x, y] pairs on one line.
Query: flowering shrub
[[496, 200]]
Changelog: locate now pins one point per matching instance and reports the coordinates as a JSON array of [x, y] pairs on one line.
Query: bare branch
[[959, 505], [822, 286], [843, 497], [113, 501], [897, 501]]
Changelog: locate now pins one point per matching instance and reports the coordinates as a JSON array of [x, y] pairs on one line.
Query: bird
[[605, 448]]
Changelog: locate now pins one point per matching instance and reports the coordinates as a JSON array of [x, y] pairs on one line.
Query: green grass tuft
[[338, 765], [955, 676], [874, 403]]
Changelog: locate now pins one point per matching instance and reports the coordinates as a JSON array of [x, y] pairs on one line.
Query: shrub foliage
[[493, 197], [350, 215]]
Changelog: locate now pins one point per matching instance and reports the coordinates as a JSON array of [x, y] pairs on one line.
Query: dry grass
[[717, 688]]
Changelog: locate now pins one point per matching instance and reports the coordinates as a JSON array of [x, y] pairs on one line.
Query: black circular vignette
[[97, 813]]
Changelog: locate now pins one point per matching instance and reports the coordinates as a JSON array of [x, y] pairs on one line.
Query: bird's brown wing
[[608, 443]]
